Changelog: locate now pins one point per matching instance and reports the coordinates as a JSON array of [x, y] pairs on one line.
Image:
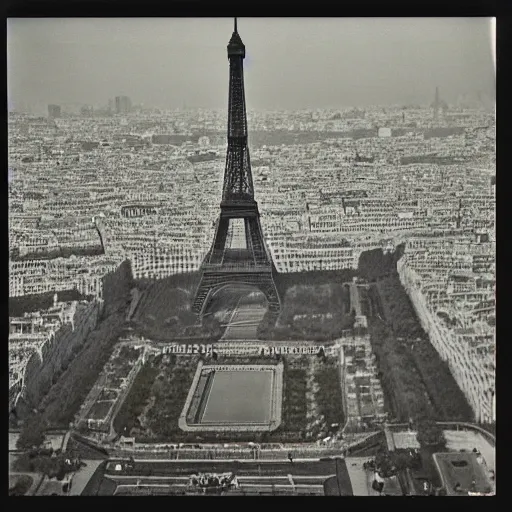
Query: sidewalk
[[241, 461], [82, 477]]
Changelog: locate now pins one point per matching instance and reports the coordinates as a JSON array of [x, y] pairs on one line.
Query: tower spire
[[236, 31]]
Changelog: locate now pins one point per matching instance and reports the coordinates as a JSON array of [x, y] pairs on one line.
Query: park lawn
[[313, 312], [100, 410]]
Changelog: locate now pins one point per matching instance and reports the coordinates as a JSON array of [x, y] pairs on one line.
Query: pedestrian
[[290, 457]]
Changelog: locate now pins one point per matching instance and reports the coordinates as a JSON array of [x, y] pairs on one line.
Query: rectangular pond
[[239, 397]]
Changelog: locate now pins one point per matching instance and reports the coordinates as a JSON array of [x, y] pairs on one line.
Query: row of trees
[[389, 463], [32, 433], [400, 312], [446, 396], [63, 400], [399, 374], [128, 416], [328, 397], [450, 402], [47, 462], [169, 395], [165, 380], [294, 399]]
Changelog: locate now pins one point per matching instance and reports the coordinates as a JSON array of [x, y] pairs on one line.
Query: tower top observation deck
[[236, 47]]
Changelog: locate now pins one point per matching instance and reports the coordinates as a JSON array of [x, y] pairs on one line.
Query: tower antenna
[[236, 27]]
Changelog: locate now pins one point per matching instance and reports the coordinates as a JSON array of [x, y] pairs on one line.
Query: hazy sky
[[291, 63]]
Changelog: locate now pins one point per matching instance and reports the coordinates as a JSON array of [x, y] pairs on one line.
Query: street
[[244, 321]]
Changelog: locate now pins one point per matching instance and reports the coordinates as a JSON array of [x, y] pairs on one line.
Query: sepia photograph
[[251, 256]]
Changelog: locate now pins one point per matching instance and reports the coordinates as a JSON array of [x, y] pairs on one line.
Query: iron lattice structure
[[252, 264]]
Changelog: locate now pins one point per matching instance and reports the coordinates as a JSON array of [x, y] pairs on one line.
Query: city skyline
[[165, 62], [317, 303]]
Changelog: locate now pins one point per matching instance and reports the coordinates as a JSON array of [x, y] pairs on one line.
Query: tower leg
[[209, 283]]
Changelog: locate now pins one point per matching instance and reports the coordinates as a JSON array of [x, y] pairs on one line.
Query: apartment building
[[41, 342], [464, 338], [163, 262]]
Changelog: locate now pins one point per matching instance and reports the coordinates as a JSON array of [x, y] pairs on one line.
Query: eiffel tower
[[238, 255]]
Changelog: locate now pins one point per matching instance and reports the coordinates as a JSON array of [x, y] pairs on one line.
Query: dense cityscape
[[380, 225]]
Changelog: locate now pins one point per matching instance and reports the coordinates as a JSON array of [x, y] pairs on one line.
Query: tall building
[[87, 110], [238, 253], [123, 104], [53, 111], [437, 105]]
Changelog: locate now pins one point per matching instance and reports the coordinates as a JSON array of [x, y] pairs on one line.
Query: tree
[[430, 434], [22, 485], [385, 465], [377, 486], [32, 434]]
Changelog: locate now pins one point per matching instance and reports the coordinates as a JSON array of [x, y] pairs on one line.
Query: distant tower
[[436, 104], [53, 111], [86, 110], [123, 104]]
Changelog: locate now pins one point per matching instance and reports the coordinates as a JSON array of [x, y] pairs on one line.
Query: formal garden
[[312, 401], [154, 404]]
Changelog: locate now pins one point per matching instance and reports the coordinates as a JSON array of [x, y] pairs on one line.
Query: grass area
[[85, 450], [98, 485], [340, 484], [100, 410], [310, 311], [164, 311]]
